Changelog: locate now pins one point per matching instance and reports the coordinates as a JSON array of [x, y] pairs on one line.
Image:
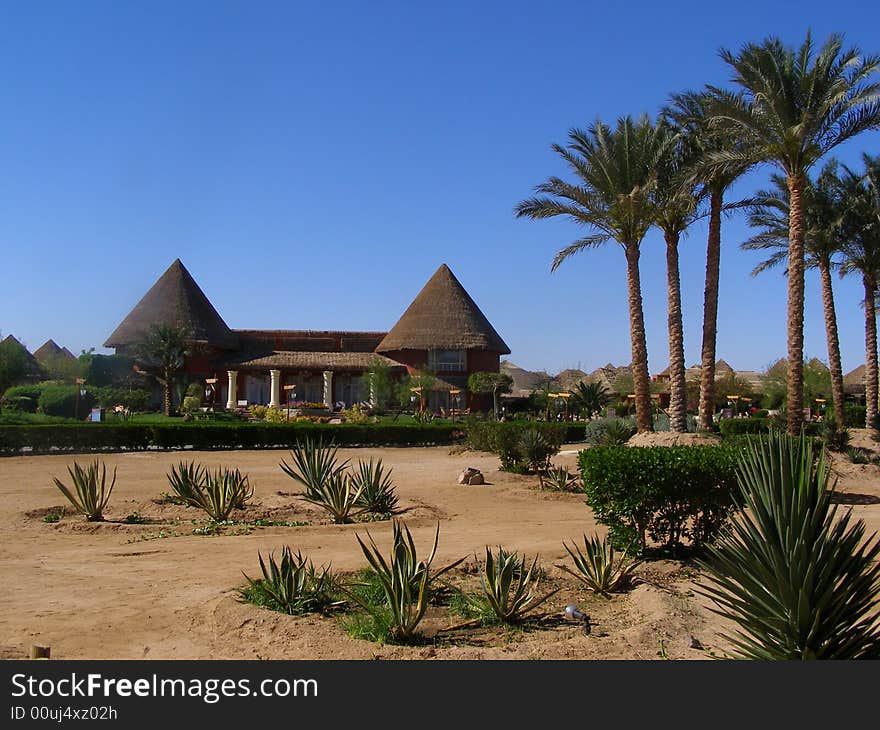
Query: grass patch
[[52, 517]]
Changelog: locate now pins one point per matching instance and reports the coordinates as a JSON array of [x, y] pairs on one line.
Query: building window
[[447, 361]]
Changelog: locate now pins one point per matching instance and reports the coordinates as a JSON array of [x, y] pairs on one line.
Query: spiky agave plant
[[314, 462], [509, 588], [377, 490], [801, 581], [292, 585], [337, 496], [90, 493], [222, 491], [558, 479], [597, 568], [245, 492], [186, 479], [405, 579]]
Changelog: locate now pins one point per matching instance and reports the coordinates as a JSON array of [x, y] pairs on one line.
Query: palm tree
[[612, 197], [589, 398], [861, 250], [690, 111], [793, 107], [675, 201], [164, 351], [823, 216]]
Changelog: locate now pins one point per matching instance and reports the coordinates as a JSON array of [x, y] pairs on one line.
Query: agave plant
[[509, 589], [314, 462], [801, 581], [405, 579], [186, 479], [597, 568], [90, 493], [536, 449], [376, 488], [338, 496], [558, 479], [293, 585], [222, 491]]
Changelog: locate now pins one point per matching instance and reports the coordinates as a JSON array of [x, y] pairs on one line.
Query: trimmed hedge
[[740, 426], [65, 400], [88, 437], [670, 493]]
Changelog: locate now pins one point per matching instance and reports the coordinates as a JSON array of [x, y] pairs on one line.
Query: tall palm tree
[[164, 352], [861, 249], [615, 171], [823, 216], [793, 107], [675, 202], [690, 111]]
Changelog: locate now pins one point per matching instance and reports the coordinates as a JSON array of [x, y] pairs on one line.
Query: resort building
[[442, 332]]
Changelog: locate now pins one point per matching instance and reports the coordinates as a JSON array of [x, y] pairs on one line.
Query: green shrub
[[90, 493], [223, 490], [856, 416], [672, 494], [186, 480], [22, 398], [292, 585], [597, 568], [799, 581], [191, 404], [859, 456], [375, 486], [559, 479], [65, 400], [509, 588], [259, 412], [740, 426], [521, 445], [275, 415], [609, 431]]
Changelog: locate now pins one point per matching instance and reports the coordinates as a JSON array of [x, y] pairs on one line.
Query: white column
[[231, 396], [275, 400], [328, 388]]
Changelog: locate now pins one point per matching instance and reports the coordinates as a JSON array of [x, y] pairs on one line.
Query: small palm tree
[[616, 172], [690, 112], [792, 107], [589, 398], [823, 215], [164, 351], [861, 251]]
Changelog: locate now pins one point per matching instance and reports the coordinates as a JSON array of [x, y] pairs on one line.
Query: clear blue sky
[[312, 164]]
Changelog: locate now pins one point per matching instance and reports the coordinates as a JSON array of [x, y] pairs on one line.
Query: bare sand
[[128, 591]]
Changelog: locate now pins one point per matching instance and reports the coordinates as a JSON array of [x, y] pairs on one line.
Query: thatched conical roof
[[50, 351], [443, 317], [175, 299]]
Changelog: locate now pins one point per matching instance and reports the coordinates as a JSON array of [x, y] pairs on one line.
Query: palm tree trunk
[[644, 421], [710, 312], [833, 344], [795, 305], [677, 396], [167, 400], [870, 281]]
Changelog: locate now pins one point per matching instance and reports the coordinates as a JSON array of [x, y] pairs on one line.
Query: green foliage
[[164, 353], [108, 370], [740, 426], [521, 445], [135, 518], [187, 480], [381, 383], [191, 403], [275, 415], [222, 491], [835, 440], [588, 398], [355, 414], [484, 383], [292, 585], [597, 568], [858, 456], [314, 463], [559, 479], [337, 496], [13, 363], [66, 401], [375, 486], [800, 581], [855, 415], [52, 517], [405, 581], [671, 494], [22, 398], [90, 493], [509, 588], [91, 437], [609, 431]]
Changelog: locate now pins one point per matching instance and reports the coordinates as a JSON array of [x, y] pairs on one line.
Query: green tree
[[164, 352], [861, 250], [380, 382], [484, 383], [691, 112], [823, 240], [13, 364], [616, 173], [589, 398], [792, 107]]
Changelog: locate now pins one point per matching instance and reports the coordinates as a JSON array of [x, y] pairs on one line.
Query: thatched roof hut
[[175, 299], [32, 370], [49, 352], [443, 317]]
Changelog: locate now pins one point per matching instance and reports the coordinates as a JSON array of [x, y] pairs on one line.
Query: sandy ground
[[129, 591]]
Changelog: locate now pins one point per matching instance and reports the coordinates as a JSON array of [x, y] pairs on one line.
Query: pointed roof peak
[[443, 316], [175, 299], [50, 350]]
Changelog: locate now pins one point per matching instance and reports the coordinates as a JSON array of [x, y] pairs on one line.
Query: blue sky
[[312, 164]]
